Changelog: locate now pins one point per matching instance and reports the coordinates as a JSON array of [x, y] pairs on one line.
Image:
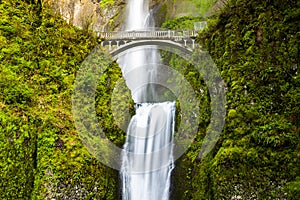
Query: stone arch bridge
[[120, 41]]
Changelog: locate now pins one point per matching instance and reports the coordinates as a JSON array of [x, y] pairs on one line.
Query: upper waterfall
[[139, 65]]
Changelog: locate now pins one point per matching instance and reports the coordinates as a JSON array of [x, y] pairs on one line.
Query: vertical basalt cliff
[[97, 15]]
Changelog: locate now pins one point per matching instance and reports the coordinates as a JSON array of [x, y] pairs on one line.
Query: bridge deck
[[142, 35]]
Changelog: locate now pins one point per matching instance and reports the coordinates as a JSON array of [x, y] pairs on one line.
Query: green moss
[[249, 49], [231, 113], [255, 46], [41, 155], [181, 23], [105, 3]]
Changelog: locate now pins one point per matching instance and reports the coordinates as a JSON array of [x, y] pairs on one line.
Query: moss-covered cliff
[[255, 45], [41, 155], [169, 9]]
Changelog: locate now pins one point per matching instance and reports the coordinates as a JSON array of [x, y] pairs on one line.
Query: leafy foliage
[[203, 6], [181, 23]]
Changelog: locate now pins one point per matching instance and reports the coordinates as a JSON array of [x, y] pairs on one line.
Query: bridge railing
[[131, 35]]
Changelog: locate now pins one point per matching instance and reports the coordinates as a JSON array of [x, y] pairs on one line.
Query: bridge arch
[[168, 45]]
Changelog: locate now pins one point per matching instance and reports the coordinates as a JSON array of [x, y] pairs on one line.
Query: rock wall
[[108, 15], [169, 9], [98, 15]]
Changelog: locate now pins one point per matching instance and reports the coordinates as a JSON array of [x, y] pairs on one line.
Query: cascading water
[[148, 162], [147, 159]]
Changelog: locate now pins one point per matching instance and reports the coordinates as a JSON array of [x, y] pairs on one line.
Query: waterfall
[[148, 162], [147, 159]]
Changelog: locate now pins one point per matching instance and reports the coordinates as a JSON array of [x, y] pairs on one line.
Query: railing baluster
[[120, 37]]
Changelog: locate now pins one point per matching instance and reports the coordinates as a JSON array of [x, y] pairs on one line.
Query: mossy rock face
[[41, 154], [257, 155], [90, 14], [160, 13], [168, 9]]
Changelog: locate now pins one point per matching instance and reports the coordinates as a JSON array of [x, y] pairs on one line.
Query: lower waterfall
[[147, 160]]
